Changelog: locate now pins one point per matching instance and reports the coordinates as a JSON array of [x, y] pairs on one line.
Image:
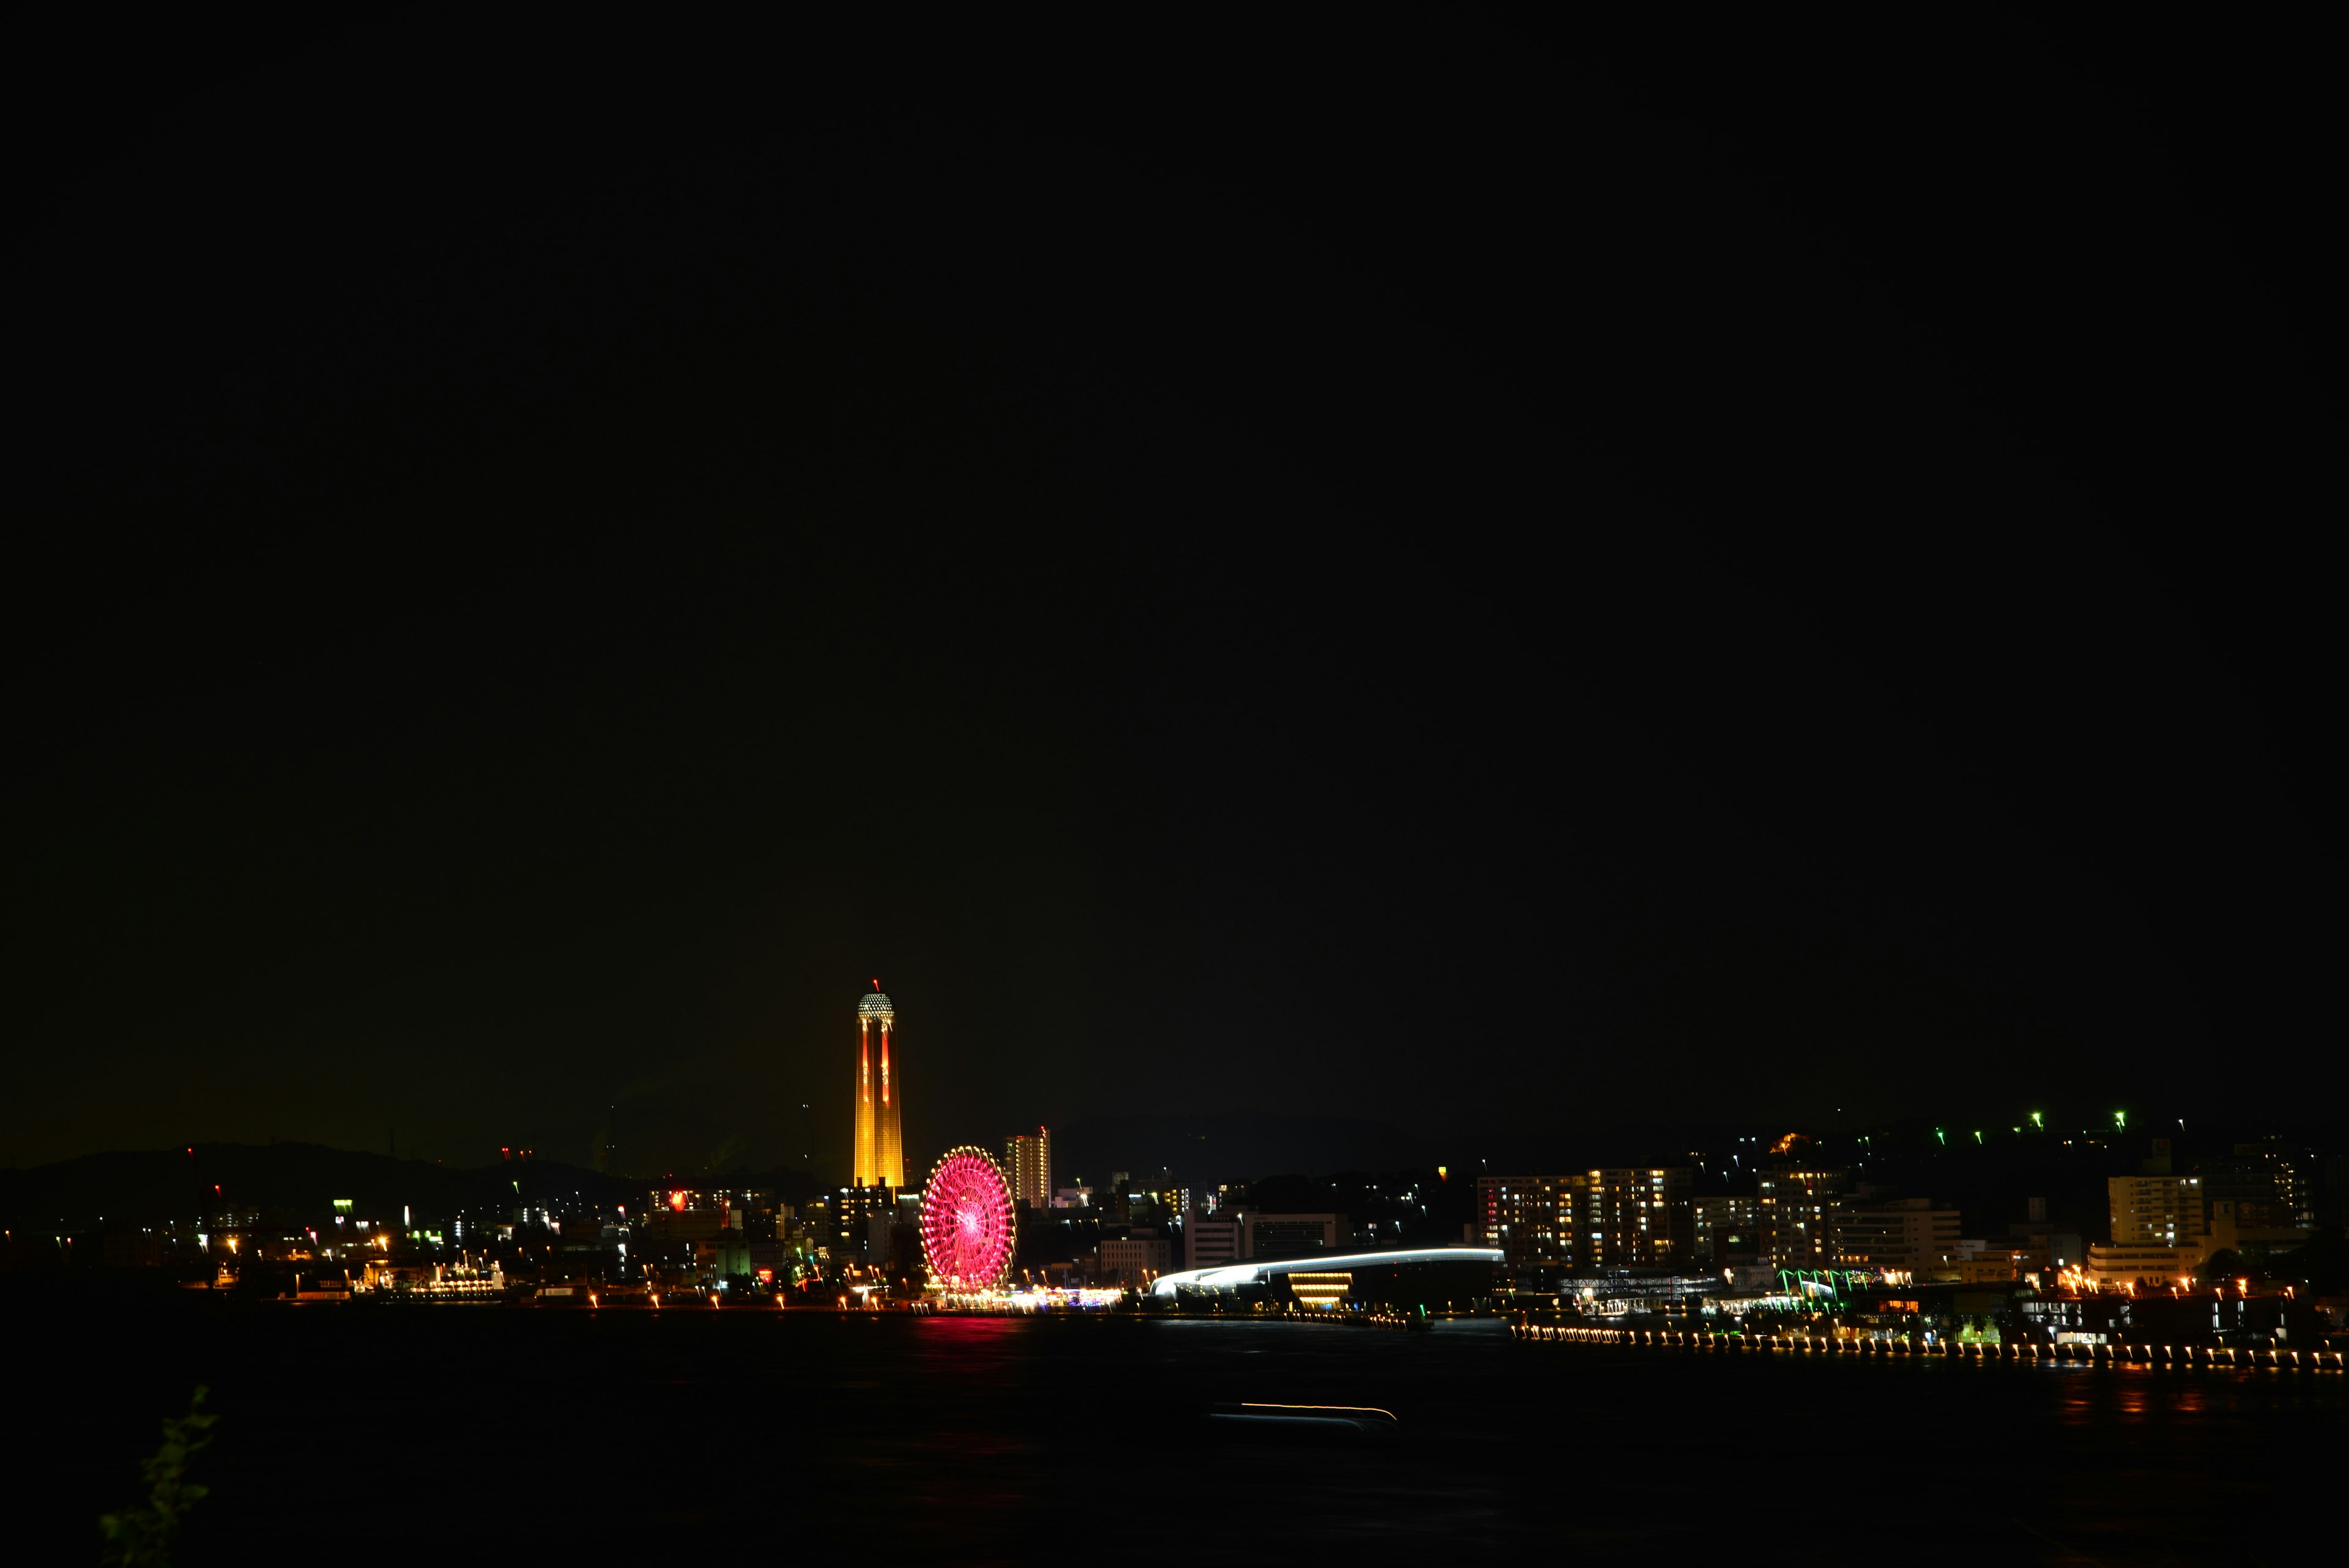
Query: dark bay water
[[473, 1434]]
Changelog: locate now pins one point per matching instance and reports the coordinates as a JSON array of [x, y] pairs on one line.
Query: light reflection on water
[[991, 1439]]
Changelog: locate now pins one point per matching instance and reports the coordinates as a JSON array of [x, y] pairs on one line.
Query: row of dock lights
[[2222, 1355]]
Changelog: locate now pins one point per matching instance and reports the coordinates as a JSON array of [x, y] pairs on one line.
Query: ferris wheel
[[967, 1222]]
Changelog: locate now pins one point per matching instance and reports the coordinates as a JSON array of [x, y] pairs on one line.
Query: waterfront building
[[2157, 1212], [2267, 1181], [813, 1231], [2140, 1263], [723, 1255], [892, 1235], [772, 1263], [1239, 1234], [1027, 1164], [2230, 1230], [1638, 1218], [853, 1211], [1621, 1218], [683, 1221], [2221, 1316], [1160, 1205], [1908, 1234], [1319, 1287], [880, 1158], [1793, 1205], [1728, 1227], [1266, 1235], [1211, 1240], [1134, 1260], [1408, 1276], [2147, 1253], [1529, 1217], [2002, 1260]]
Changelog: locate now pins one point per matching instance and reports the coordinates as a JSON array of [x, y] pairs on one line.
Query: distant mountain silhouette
[[1231, 1146], [144, 1185]]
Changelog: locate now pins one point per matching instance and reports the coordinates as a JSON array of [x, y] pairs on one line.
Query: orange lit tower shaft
[[880, 1135], [893, 1135], [860, 1173]]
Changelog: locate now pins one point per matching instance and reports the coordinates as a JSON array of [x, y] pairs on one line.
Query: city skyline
[[2049, 1212]]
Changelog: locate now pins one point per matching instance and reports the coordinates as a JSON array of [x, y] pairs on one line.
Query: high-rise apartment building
[[880, 1121], [2266, 1181], [1165, 1204], [1625, 1217], [2157, 1211], [1529, 1217], [1028, 1165], [857, 1215], [1638, 1218], [1727, 1225], [1792, 1209]]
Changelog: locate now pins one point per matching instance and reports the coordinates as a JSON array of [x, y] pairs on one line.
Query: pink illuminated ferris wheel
[[967, 1222]]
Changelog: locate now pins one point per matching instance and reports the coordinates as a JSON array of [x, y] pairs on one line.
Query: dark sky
[[1495, 582]]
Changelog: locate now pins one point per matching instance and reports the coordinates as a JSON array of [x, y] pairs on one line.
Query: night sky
[[1497, 584]]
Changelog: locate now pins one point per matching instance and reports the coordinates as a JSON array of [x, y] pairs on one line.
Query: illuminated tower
[[880, 1137]]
